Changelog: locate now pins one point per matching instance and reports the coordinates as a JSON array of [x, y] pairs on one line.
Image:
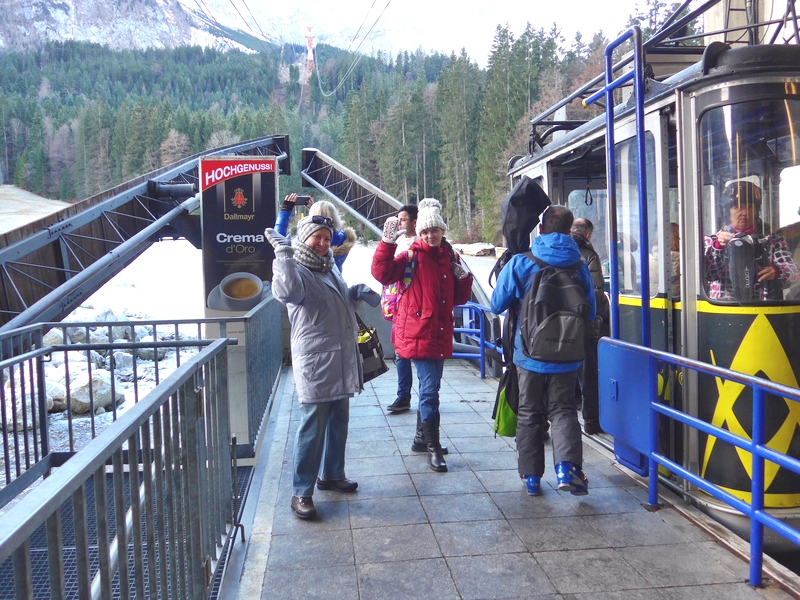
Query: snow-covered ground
[[19, 207]]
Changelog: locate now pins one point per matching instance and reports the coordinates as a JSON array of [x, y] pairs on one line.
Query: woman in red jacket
[[423, 323]]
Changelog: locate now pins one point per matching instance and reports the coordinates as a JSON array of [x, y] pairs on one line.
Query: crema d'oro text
[[240, 244]]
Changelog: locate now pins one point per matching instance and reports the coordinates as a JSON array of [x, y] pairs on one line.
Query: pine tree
[[395, 158], [355, 134], [458, 96], [504, 103]]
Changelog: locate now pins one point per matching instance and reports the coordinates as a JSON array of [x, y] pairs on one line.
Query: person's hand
[[767, 273], [723, 237], [390, 232], [283, 247], [288, 202], [459, 272], [362, 291]]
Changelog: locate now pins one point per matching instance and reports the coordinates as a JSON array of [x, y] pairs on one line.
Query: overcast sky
[[443, 25]]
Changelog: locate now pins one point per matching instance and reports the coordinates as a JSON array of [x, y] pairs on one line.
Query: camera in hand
[[746, 257], [302, 200]]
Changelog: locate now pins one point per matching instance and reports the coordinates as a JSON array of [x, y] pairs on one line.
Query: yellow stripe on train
[[760, 352]]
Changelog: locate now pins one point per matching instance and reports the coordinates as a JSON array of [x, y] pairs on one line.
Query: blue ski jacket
[[556, 249]]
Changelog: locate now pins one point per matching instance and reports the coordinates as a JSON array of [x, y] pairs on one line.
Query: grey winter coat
[[327, 364]]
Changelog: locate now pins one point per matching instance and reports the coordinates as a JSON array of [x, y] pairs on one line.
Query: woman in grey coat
[[325, 357]]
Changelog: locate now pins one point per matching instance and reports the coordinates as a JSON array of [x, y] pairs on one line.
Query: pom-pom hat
[[430, 215]]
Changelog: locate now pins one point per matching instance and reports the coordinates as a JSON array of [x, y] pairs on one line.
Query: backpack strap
[[410, 264], [543, 264]]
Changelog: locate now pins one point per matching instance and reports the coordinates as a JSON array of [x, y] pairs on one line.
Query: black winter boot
[[419, 445], [435, 458], [400, 404]]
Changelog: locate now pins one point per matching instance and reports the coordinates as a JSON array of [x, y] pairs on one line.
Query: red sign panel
[[217, 170]]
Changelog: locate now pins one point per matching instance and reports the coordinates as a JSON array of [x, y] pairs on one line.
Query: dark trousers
[[544, 396], [591, 403]]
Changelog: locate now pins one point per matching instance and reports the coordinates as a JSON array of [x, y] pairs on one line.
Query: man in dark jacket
[[546, 389], [582, 234]]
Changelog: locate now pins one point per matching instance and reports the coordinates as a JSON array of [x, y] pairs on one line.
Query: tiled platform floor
[[472, 532]]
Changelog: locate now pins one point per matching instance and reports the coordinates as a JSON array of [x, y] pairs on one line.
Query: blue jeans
[[321, 438], [404, 377], [429, 373]]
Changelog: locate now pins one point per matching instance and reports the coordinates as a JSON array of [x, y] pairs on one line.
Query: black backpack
[[553, 314]]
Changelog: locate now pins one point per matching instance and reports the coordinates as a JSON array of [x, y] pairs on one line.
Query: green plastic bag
[[507, 403]]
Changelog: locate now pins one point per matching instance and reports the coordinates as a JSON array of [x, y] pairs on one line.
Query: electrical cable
[[206, 12], [355, 62], [252, 16], [248, 25], [355, 35]]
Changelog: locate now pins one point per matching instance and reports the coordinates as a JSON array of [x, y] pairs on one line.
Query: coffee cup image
[[241, 291]]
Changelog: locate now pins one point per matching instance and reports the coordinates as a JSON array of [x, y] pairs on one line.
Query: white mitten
[[283, 247], [390, 230]]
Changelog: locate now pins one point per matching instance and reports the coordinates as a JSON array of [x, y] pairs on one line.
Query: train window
[[628, 231], [588, 201], [750, 200]]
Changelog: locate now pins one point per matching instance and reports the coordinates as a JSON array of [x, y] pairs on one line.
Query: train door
[[663, 257], [741, 306], [661, 214]]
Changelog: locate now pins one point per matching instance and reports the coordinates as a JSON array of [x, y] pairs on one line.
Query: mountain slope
[[122, 24]]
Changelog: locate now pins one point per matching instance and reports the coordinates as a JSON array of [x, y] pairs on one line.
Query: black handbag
[[369, 346]]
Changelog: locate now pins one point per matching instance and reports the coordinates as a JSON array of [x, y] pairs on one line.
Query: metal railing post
[[652, 488], [757, 488]]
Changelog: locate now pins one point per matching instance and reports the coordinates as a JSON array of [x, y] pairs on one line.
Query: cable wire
[[205, 11], [355, 35], [354, 63]]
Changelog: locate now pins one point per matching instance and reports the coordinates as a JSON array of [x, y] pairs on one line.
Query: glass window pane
[[628, 232], [750, 200]]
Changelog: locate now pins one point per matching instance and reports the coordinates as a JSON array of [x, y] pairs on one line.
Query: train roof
[[718, 61]]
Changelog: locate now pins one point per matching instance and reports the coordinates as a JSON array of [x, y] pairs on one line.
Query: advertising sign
[[238, 203]]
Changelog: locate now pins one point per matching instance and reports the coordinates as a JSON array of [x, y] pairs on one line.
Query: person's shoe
[[341, 485], [533, 483], [571, 479], [399, 405], [592, 428], [435, 459], [303, 507], [419, 445]]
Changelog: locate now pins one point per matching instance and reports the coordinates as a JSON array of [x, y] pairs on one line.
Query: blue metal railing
[[637, 74], [473, 328], [756, 446]]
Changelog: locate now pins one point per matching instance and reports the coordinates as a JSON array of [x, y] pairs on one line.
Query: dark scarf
[[310, 259]]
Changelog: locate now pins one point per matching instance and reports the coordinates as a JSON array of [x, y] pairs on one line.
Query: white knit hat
[[429, 215]]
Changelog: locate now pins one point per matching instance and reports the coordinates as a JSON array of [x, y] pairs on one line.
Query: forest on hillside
[[79, 118]]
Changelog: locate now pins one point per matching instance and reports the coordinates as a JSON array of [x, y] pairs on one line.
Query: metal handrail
[[28, 451], [756, 446], [607, 91], [473, 308], [186, 472]]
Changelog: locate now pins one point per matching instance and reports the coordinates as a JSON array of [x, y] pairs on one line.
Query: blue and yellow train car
[[722, 163]]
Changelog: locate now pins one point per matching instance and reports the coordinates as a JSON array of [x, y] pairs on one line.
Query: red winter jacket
[[423, 323]]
